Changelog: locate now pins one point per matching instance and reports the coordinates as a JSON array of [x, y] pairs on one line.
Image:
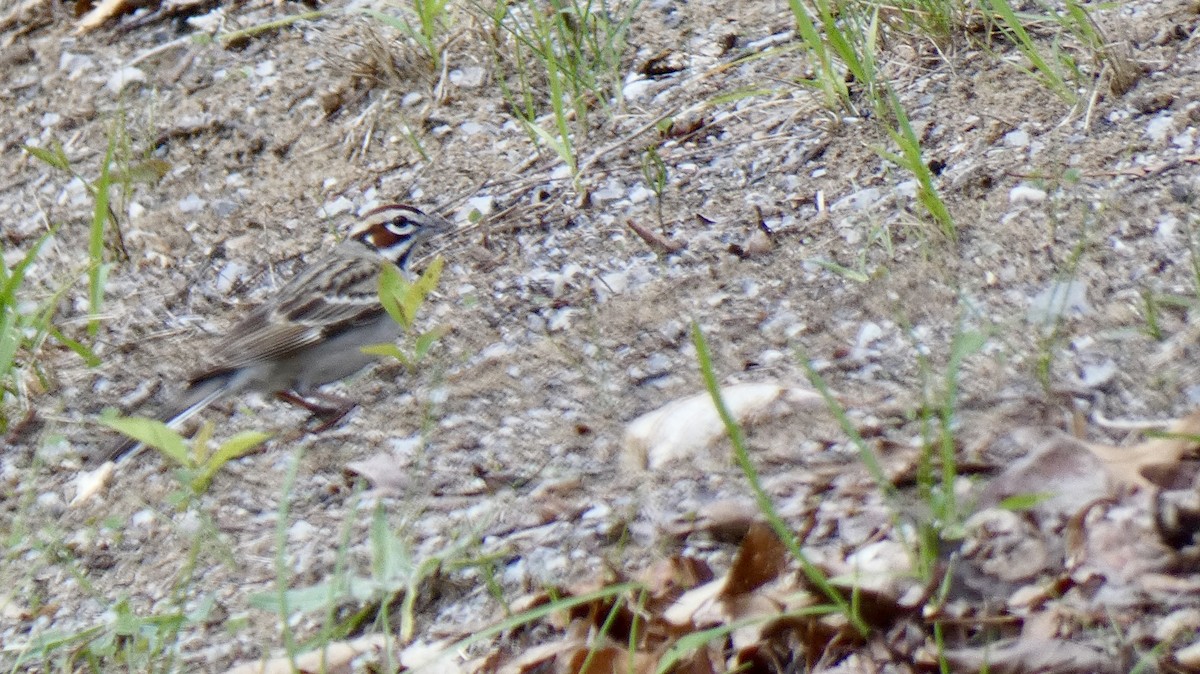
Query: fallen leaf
[[386, 471], [1126, 464], [1058, 472], [684, 427], [760, 559]]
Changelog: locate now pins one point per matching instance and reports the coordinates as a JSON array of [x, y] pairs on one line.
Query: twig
[[253, 31]]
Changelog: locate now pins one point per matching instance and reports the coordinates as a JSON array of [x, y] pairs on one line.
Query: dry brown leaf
[[609, 660], [538, 658], [671, 577], [760, 560], [1057, 466], [1126, 464], [813, 635], [701, 661], [386, 471], [749, 607], [433, 658], [726, 519], [698, 606], [333, 659]]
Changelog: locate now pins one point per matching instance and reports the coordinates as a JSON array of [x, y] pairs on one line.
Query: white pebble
[[335, 207], [1016, 139], [1026, 194], [191, 203], [1159, 127], [123, 78]]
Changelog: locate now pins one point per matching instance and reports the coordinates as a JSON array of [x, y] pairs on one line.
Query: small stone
[[123, 78], [335, 207], [1159, 127], [51, 503], [1016, 139], [561, 320], [301, 531], [483, 204], [470, 77], [191, 203], [75, 64], [208, 23], [637, 89], [230, 274], [1026, 194], [1099, 374], [1189, 656], [1060, 299], [142, 518], [868, 334], [607, 194], [858, 201], [223, 208]]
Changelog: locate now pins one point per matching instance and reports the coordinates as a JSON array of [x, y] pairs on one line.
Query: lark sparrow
[[312, 331]]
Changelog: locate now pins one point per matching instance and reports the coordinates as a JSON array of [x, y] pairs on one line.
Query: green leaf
[[386, 350], [431, 275], [426, 342], [237, 446], [304, 599], [392, 288], [152, 433], [98, 271], [1019, 502]]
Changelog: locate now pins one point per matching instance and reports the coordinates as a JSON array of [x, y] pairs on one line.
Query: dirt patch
[[564, 324]]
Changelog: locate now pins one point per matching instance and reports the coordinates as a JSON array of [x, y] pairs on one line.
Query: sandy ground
[[506, 443]]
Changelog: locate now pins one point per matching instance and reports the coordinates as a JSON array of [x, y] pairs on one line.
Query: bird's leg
[[331, 409]]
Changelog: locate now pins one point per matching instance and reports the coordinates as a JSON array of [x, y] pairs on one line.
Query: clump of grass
[[429, 29], [28, 314], [352, 602], [128, 642], [27, 320], [565, 61]]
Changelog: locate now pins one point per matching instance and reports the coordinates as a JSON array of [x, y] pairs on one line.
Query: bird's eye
[[401, 226]]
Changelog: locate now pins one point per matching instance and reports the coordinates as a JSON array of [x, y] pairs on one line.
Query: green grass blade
[[765, 506], [97, 269]]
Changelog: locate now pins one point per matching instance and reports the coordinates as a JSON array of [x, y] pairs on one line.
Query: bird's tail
[[200, 394]]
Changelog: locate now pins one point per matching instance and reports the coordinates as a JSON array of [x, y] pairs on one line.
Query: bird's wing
[[334, 294]]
